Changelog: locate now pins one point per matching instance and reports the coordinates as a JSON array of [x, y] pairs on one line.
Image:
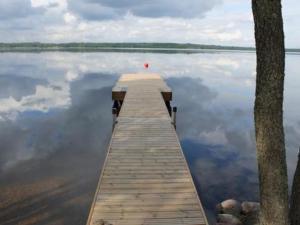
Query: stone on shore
[[249, 207], [250, 212], [228, 219], [231, 212], [230, 206]]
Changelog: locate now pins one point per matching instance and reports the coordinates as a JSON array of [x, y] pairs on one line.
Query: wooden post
[[114, 113], [168, 105], [174, 116]]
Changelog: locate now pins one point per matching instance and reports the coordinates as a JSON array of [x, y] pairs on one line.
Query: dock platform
[[145, 179]]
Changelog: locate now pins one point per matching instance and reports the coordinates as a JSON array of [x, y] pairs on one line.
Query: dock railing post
[[174, 111], [114, 113]]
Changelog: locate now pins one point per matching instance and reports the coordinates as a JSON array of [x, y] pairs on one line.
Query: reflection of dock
[[145, 178]]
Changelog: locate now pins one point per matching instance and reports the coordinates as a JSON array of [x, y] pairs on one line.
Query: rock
[[219, 208], [229, 206], [228, 219], [250, 210], [251, 219], [249, 207]]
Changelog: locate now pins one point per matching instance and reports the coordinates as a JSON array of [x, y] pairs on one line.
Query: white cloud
[[39, 3], [69, 18], [45, 98], [230, 23], [229, 36], [227, 62], [48, 3], [71, 75], [215, 137]]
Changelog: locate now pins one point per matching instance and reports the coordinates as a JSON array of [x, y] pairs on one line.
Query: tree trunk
[[270, 146], [295, 197]]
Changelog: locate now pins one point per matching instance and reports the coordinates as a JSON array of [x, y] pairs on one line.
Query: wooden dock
[[145, 179]]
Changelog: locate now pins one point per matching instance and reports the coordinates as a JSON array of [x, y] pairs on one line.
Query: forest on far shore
[[91, 46]]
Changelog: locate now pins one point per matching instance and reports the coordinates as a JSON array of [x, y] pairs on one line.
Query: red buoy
[[146, 65]]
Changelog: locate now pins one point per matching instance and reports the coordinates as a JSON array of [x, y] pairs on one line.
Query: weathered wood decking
[[145, 179]]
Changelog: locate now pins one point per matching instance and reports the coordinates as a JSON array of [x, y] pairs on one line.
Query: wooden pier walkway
[[145, 179]]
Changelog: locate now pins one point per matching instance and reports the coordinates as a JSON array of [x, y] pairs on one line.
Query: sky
[[220, 22]]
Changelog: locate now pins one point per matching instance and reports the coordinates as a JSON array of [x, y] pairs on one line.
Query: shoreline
[[132, 50], [126, 47]]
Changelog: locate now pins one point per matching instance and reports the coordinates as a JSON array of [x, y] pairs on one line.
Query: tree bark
[[268, 112], [295, 196]]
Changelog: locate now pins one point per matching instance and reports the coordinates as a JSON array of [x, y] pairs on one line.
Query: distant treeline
[[76, 46]]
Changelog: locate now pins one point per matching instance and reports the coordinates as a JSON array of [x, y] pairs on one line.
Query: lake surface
[[55, 125]]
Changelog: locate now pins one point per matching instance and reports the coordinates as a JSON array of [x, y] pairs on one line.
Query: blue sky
[[223, 22]]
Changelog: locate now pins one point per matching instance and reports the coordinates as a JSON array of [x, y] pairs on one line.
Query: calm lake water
[[55, 125]]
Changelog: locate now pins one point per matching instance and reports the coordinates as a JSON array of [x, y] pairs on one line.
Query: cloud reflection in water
[[55, 123]]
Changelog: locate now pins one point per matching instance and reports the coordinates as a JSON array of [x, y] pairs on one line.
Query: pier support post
[[114, 113], [168, 105], [174, 111]]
